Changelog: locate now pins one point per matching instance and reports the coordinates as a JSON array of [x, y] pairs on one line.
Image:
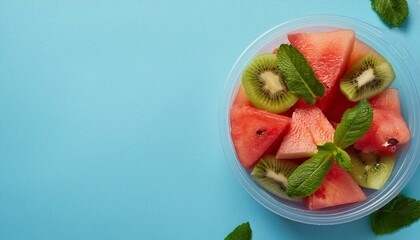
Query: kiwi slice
[[264, 86], [272, 174], [367, 78], [371, 170]]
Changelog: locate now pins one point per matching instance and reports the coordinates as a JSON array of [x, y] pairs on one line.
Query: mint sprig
[[393, 12], [398, 213], [354, 124], [298, 74], [241, 232], [308, 177]]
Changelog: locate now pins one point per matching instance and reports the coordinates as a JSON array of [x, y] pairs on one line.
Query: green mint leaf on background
[[343, 159], [298, 74], [354, 124], [241, 232], [398, 213], [308, 177], [393, 12]]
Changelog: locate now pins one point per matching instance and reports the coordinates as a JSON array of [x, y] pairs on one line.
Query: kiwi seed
[[264, 86]]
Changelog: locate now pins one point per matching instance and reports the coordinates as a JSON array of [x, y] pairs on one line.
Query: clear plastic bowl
[[393, 49]]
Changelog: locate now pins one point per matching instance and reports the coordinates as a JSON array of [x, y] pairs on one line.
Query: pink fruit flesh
[[387, 100], [338, 188], [321, 129], [309, 128], [254, 131], [297, 142]]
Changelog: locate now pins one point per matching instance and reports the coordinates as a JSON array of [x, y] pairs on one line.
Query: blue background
[[109, 118]]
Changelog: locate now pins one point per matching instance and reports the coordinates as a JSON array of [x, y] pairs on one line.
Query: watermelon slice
[[253, 131], [360, 50], [338, 188], [297, 142], [388, 129], [309, 128], [328, 54]]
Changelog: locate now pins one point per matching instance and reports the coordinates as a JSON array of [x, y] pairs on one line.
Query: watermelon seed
[[393, 142], [260, 132]]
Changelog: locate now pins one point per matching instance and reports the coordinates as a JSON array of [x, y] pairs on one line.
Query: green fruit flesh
[[371, 170], [264, 86], [272, 174], [370, 76]]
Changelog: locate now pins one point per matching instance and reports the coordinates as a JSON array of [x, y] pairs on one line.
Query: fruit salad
[[275, 129]]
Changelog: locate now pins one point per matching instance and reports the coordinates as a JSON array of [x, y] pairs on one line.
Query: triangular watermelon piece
[[297, 142], [309, 128], [337, 188], [253, 131], [328, 54]]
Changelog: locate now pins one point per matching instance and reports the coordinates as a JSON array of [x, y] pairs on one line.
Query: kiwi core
[[277, 177], [271, 82], [367, 76]]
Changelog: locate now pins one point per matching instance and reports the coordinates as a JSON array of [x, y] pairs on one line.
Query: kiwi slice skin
[[264, 86], [371, 170], [367, 78], [272, 174]]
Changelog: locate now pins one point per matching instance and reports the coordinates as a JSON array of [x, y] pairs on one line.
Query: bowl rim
[[391, 43]]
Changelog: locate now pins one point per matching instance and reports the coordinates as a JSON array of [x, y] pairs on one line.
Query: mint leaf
[[398, 213], [298, 74], [393, 12], [354, 124], [327, 148], [308, 177], [343, 159], [341, 156], [241, 232]]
